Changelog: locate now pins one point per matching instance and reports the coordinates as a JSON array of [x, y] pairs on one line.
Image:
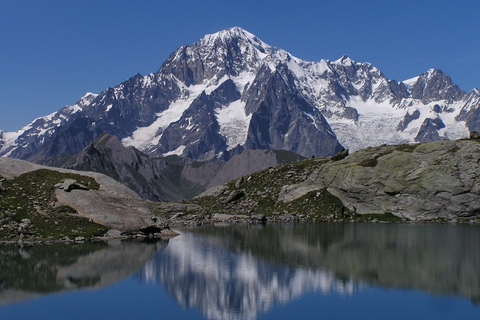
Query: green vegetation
[[369, 162], [28, 209], [407, 147], [261, 190], [38, 265], [259, 195]]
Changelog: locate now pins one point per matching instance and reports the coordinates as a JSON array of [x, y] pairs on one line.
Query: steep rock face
[[226, 53], [470, 111], [283, 119], [153, 179], [434, 85], [429, 130], [35, 135]]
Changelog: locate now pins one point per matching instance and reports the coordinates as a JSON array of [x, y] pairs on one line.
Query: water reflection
[[224, 284], [28, 272], [239, 272]]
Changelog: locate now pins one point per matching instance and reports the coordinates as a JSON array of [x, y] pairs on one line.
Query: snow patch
[[233, 123], [176, 152], [410, 82], [376, 123]]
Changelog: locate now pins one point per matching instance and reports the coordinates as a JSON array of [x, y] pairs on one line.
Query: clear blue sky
[[54, 51]]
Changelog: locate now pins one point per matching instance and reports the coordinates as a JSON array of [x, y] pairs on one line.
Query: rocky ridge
[[435, 181]]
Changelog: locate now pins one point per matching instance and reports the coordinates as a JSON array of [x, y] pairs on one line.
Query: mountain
[[231, 91], [171, 178]]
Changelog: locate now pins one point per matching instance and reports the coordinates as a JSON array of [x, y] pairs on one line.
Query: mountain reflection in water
[[250, 271], [240, 272], [224, 284]]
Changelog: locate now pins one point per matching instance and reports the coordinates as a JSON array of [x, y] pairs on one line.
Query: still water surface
[[303, 271]]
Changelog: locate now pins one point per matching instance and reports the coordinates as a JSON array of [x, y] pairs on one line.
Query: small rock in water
[[113, 233]]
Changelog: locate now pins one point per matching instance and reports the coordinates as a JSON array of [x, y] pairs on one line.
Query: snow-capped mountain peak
[[230, 90], [344, 60], [227, 35]]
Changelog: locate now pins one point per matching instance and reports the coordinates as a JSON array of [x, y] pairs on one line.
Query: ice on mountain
[[147, 137], [233, 123], [176, 152]]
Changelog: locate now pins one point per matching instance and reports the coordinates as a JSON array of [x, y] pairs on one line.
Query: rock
[[474, 135], [289, 217], [222, 217], [419, 182], [258, 218], [340, 155], [234, 195], [79, 239], [177, 215], [166, 234], [114, 233], [238, 183], [70, 184]]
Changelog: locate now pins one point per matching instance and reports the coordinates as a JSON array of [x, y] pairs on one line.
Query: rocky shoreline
[[189, 221], [436, 182]]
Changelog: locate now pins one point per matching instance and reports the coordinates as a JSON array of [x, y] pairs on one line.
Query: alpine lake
[[252, 271]]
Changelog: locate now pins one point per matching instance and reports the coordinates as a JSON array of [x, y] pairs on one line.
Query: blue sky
[[54, 51]]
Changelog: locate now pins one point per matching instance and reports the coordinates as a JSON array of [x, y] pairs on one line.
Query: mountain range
[[230, 91]]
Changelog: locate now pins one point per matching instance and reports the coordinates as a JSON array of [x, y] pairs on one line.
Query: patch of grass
[[369, 162], [261, 189], [317, 205], [407, 147]]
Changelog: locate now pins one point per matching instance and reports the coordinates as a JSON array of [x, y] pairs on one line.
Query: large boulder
[[112, 204], [419, 182]]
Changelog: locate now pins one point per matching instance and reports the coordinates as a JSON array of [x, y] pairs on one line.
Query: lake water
[[273, 271]]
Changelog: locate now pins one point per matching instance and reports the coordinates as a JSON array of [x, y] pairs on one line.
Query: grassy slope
[[32, 196], [261, 191]]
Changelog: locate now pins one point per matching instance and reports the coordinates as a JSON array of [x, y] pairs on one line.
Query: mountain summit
[[231, 91]]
